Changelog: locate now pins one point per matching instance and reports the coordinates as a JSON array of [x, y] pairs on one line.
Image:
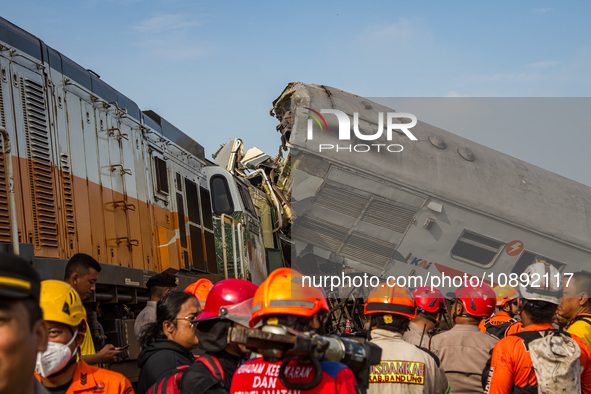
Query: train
[[382, 194], [83, 169]]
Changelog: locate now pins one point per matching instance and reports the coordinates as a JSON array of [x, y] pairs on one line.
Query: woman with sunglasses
[[167, 343]]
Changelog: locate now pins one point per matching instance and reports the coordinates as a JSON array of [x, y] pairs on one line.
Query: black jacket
[[160, 360], [198, 379]]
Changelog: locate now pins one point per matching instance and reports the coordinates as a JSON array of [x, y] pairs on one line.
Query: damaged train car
[[373, 192]]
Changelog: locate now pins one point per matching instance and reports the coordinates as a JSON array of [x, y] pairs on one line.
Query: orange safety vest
[[511, 367], [90, 379]]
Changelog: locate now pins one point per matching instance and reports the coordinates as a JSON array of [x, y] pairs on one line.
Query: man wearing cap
[[22, 329], [157, 285]]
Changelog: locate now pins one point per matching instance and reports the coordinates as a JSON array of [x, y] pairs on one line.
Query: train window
[[527, 258], [179, 182], [206, 207], [222, 198], [192, 201], [476, 248], [245, 195], [181, 215], [161, 175]]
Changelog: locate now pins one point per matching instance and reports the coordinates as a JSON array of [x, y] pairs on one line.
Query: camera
[[280, 343]]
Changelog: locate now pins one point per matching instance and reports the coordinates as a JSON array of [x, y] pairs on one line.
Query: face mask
[[56, 357]]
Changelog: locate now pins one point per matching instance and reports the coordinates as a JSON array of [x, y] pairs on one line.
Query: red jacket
[[258, 376], [511, 364]]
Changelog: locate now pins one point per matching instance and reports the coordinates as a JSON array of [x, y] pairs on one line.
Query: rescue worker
[[497, 324], [82, 273], [283, 300], [464, 350], [58, 367], [158, 285], [575, 306], [405, 368], [430, 308], [228, 304], [200, 289], [512, 366], [22, 329]]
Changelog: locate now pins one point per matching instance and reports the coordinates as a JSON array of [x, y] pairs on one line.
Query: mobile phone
[[123, 347]]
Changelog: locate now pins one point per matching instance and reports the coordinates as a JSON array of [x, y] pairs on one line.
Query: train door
[[119, 241], [129, 199], [241, 250]]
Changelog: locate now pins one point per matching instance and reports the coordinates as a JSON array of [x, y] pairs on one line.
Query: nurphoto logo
[[344, 132]]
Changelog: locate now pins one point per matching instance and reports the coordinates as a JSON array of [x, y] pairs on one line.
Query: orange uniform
[[89, 379], [511, 365], [497, 324], [514, 328], [498, 318]]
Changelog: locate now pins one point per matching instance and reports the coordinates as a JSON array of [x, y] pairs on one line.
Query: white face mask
[[56, 357]]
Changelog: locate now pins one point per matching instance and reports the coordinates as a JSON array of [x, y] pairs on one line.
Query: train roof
[[36, 48], [445, 166]]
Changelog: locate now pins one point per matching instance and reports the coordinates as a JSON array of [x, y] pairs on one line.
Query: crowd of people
[[504, 340]]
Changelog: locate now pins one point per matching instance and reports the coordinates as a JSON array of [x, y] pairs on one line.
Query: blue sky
[[213, 68]]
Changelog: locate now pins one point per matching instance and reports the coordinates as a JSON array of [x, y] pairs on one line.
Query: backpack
[[171, 384], [498, 330], [555, 359]]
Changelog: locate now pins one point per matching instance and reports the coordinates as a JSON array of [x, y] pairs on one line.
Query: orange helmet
[[505, 294], [391, 299], [284, 293], [200, 289]]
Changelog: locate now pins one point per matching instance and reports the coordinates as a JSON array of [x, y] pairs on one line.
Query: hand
[[108, 354]]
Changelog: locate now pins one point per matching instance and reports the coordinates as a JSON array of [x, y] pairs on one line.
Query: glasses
[[189, 319]]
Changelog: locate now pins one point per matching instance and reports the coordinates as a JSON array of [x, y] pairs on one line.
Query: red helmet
[[391, 299], [429, 299], [200, 289], [477, 300], [229, 299]]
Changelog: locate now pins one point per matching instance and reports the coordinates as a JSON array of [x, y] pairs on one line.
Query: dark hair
[[33, 309], [81, 263], [583, 282], [157, 291], [398, 324], [167, 308], [539, 311], [431, 316]]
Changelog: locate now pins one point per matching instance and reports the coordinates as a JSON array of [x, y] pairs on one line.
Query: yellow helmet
[[61, 303]]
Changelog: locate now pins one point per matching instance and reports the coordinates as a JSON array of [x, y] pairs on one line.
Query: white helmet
[[545, 282]]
